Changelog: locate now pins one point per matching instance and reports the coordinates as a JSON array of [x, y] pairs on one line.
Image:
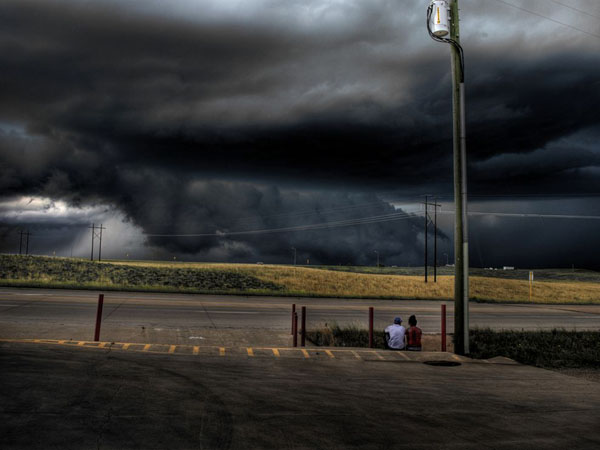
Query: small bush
[[548, 349], [349, 336]]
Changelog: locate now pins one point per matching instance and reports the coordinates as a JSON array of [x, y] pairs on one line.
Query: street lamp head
[[438, 18]]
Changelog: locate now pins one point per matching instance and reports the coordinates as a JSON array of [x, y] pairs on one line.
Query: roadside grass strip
[[308, 353]]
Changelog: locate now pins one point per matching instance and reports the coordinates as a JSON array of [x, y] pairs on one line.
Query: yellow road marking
[[250, 351], [329, 353], [305, 353], [146, 348], [221, 351], [378, 355], [126, 346], [275, 352], [81, 343], [403, 355], [102, 344], [196, 349], [356, 355], [61, 342], [172, 348]]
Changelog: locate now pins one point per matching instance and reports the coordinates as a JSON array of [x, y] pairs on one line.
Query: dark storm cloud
[[140, 107]]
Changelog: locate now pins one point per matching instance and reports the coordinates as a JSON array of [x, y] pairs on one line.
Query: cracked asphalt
[[73, 397]]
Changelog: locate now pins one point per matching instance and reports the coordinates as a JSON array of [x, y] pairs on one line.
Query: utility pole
[[443, 19], [27, 234], [294, 248], [435, 254], [20, 241], [93, 227], [426, 220], [377, 257], [100, 245]]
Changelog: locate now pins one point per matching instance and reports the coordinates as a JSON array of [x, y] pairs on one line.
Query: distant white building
[[508, 268]]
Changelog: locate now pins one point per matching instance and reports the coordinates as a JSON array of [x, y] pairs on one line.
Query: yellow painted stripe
[[196, 349], [329, 353], [60, 342], [275, 352], [126, 346], [356, 355], [378, 355], [221, 351], [81, 343], [250, 351], [146, 348], [402, 355], [172, 348], [305, 353], [102, 344]]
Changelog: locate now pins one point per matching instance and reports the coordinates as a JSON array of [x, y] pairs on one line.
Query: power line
[[548, 18], [575, 9], [546, 216], [319, 226]]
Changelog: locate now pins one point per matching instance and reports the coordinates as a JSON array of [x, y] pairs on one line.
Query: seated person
[[394, 335], [413, 335]]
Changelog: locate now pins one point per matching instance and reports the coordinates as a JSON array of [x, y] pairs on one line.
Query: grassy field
[[556, 349], [517, 274], [278, 280]]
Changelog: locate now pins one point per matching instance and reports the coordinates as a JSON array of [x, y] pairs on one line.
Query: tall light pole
[[377, 257], [294, 248], [443, 20]]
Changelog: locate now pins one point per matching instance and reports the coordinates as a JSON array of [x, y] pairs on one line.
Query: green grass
[[583, 275], [348, 336], [556, 349], [74, 273]]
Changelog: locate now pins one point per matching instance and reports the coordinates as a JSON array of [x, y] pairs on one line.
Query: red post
[[295, 329], [443, 328], [303, 331], [370, 327], [99, 317], [293, 313]]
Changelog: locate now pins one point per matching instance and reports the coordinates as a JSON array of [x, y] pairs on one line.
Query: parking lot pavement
[[80, 395]]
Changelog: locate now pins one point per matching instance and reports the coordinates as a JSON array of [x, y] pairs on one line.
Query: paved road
[[71, 397], [174, 318]]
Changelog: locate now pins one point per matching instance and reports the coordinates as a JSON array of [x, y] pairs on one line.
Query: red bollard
[[370, 327], [303, 331], [295, 329], [99, 317], [443, 328], [293, 313]]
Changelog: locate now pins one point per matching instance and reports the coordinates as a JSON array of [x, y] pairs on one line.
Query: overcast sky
[[212, 117]]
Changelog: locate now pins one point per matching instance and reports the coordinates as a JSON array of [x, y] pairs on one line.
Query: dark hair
[[412, 321]]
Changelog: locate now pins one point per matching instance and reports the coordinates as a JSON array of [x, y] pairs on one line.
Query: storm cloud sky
[[203, 116]]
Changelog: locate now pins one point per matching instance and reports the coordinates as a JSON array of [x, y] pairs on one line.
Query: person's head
[[398, 320], [412, 321]]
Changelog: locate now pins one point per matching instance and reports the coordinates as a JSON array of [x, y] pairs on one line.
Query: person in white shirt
[[394, 335]]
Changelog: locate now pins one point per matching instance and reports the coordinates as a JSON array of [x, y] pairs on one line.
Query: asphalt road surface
[[71, 397], [220, 320]]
